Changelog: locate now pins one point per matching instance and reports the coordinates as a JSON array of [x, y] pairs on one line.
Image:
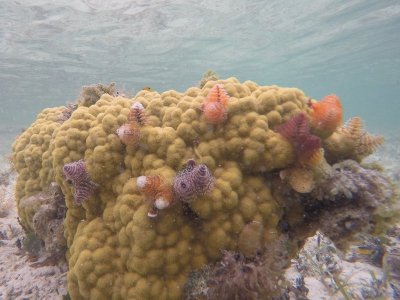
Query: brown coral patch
[[249, 242], [300, 179]]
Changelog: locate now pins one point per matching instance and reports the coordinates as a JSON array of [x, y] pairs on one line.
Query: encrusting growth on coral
[[67, 112], [250, 239], [350, 180], [210, 75], [77, 174], [92, 93], [300, 179], [351, 142]]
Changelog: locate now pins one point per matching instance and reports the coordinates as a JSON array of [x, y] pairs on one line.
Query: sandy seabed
[[341, 276], [20, 277]]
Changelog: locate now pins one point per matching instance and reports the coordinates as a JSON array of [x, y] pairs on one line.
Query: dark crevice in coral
[[190, 214]]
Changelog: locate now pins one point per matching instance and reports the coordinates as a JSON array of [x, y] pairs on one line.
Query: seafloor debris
[[329, 274], [235, 276]]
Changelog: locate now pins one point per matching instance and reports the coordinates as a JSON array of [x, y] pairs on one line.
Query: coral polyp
[[349, 180]]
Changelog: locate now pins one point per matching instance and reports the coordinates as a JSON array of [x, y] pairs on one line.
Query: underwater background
[[50, 49], [182, 195]]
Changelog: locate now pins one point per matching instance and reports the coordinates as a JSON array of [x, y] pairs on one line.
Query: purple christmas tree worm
[[77, 174], [194, 180]]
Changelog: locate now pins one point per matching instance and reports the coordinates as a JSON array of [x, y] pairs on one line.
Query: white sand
[[19, 279]]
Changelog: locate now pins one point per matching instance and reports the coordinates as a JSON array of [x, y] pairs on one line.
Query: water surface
[[49, 49]]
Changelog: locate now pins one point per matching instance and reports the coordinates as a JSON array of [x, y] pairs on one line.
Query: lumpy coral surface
[[115, 251]]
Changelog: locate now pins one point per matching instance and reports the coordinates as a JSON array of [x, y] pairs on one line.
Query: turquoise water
[[48, 51]]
